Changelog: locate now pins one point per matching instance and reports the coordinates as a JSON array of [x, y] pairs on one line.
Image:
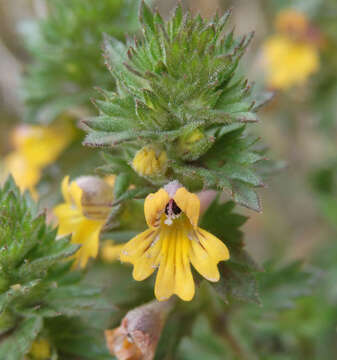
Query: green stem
[[234, 344]]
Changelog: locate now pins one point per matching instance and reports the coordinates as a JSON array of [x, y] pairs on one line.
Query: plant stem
[[233, 343]]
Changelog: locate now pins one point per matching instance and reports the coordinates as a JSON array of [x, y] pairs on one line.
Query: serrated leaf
[[245, 195], [236, 285], [237, 275], [146, 16], [281, 285]]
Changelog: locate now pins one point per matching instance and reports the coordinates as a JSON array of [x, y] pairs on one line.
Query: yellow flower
[[289, 62], [172, 242], [110, 251], [25, 175], [34, 148], [291, 56], [40, 350], [149, 161], [83, 214], [42, 145]]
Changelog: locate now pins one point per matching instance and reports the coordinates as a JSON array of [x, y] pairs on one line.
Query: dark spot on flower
[[172, 208], [176, 209]]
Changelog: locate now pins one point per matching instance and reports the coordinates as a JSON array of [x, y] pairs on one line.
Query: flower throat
[[172, 211]]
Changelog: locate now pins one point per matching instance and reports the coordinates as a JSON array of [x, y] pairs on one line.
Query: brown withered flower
[[138, 335]]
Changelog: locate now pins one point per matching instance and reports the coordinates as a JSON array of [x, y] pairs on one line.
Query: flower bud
[[97, 197], [149, 161], [192, 145], [40, 350], [138, 335]]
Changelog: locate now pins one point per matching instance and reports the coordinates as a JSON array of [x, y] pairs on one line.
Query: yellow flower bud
[[192, 145], [97, 197], [40, 350], [193, 137], [150, 162]]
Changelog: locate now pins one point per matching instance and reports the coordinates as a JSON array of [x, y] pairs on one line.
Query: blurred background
[[299, 218]]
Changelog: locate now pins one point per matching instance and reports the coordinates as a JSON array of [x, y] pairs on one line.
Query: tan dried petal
[[138, 335], [96, 198]]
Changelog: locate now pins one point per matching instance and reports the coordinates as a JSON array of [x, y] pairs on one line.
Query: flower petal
[[88, 236], [189, 203], [174, 274], [203, 262], [154, 205], [68, 218], [136, 247], [214, 246], [207, 251], [76, 194], [148, 262], [65, 189], [110, 251], [165, 284], [184, 283]]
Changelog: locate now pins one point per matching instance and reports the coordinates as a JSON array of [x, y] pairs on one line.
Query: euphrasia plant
[[175, 119], [181, 109], [37, 286]]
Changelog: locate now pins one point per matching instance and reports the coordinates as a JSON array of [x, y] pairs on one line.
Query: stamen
[[168, 221]]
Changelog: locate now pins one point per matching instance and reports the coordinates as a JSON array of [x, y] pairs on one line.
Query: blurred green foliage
[[66, 49]]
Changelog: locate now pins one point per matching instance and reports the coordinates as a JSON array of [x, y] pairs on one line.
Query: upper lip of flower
[[172, 200]]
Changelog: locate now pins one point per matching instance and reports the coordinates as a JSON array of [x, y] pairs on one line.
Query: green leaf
[[282, 285], [146, 16], [236, 284], [18, 343], [237, 275], [245, 195], [65, 48], [121, 184]]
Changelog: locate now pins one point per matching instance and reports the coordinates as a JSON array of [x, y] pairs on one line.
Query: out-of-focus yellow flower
[[42, 145], [83, 214], [172, 242], [40, 350], [291, 55], [289, 62], [292, 22], [26, 175], [110, 251], [34, 148], [150, 162]]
